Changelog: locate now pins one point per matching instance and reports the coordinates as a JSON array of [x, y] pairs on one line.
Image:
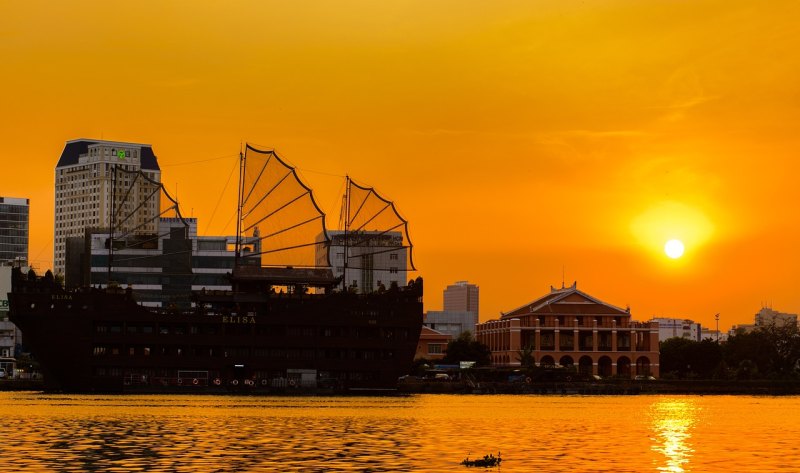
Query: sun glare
[[677, 224], [674, 249]]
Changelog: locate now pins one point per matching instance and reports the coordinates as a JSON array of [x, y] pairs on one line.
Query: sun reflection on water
[[672, 423]]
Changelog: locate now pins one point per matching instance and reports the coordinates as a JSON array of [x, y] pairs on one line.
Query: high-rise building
[[461, 297], [14, 220], [89, 174]]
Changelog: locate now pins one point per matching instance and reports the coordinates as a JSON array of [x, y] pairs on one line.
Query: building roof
[[14, 201], [75, 148], [566, 301], [431, 334]]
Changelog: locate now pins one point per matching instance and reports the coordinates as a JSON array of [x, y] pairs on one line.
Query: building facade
[[8, 331], [767, 316], [681, 328], [162, 272], [14, 224], [375, 259], [714, 335], [452, 323], [568, 327], [86, 177], [432, 344], [462, 297]]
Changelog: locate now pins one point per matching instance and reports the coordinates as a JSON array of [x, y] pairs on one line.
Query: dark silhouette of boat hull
[[101, 340]]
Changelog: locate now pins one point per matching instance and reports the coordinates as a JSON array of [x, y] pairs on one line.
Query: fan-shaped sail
[[376, 235], [138, 206], [280, 221], [147, 231]]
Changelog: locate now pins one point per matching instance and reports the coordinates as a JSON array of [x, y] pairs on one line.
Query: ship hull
[[95, 340]]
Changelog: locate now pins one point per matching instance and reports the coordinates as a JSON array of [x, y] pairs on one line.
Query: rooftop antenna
[[563, 270]]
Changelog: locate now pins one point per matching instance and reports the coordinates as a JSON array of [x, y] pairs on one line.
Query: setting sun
[[674, 249]]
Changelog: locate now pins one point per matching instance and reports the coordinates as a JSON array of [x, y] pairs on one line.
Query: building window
[[393, 256], [393, 270], [435, 348]]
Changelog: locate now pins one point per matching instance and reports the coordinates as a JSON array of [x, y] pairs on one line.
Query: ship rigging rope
[[186, 163], [230, 175], [287, 248], [361, 227], [139, 243], [368, 238], [290, 228], [159, 255], [287, 204], [155, 218]]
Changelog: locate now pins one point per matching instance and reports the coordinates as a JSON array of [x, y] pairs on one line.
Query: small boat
[[487, 461]]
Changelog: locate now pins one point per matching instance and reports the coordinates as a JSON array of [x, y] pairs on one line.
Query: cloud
[[681, 92]]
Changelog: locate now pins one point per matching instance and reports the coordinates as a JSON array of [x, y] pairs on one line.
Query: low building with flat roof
[[453, 323], [680, 328], [432, 344]]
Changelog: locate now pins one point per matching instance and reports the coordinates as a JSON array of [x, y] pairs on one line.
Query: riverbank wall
[[610, 387]]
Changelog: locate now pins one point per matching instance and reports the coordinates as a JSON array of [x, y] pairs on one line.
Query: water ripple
[[51, 433]]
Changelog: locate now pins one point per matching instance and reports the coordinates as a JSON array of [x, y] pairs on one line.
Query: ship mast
[[346, 228], [112, 206], [239, 210]]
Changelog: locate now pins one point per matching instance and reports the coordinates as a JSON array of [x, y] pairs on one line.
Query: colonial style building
[[568, 327]]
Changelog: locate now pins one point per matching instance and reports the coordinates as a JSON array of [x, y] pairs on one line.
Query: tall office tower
[[14, 220], [461, 297], [89, 174]]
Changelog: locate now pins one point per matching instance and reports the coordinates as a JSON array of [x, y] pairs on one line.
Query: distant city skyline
[[524, 142]]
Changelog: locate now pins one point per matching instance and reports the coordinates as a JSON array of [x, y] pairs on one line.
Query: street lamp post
[[716, 317]]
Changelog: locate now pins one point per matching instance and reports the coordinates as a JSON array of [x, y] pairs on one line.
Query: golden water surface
[[62, 433]]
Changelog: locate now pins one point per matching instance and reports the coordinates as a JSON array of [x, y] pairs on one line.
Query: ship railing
[[185, 378], [179, 381], [135, 380]]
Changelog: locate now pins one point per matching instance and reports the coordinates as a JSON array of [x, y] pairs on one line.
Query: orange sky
[[519, 138]]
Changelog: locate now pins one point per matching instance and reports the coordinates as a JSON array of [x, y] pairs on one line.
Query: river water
[[425, 433]]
